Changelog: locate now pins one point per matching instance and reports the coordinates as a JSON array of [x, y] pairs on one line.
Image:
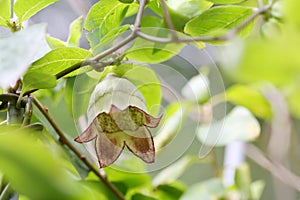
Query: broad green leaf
[[75, 32], [238, 125], [225, 1], [209, 190], [55, 43], [35, 172], [24, 9], [151, 52], [107, 41], [250, 98], [129, 179], [59, 60], [139, 196], [188, 8], [261, 60], [18, 51], [4, 12], [219, 19], [98, 190], [173, 172], [38, 80], [171, 191], [105, 16], [291, 12], [146, 81]]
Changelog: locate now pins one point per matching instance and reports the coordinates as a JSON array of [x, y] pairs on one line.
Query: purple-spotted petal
[[141, 144], [109, 147]]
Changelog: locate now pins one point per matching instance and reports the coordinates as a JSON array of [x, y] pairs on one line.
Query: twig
[[275, 168], [64, 140], [169, 21]]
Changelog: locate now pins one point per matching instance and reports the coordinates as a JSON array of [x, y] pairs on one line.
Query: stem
[[64, 140]]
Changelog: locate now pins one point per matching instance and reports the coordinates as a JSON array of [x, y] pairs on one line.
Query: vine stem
[[65, 141]]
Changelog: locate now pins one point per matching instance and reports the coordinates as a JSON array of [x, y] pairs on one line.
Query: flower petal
[[147, 120], [89, 134], [109, 147], [141, 144]]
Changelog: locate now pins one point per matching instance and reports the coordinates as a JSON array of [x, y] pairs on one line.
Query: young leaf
[[217, 20], [105, 16], [75, 32], [151, 52], [225, 1], [38, 80], [59, 60], [18, 51], [238, 125], [24, 9], [4, 12], [251, 99], [148, 85], [55, 43]]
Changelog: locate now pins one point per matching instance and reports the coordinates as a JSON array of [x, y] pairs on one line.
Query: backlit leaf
[[75, 32], [24, 9], [4, 12], [38, 80], [218, 19]]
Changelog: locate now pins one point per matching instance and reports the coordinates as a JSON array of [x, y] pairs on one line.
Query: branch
[[65, 141], [275, 168], [169, 20], [111, 50]]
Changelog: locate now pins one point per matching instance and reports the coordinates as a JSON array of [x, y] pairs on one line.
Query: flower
[[117, 118]]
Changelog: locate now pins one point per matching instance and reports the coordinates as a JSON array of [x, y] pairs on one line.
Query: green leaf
[[250, 98], [107, 41], [55, 43], [261, 60], [139, 196], [24, 9], [218, 19], [5, 12], [173, 172], [146, 81], [188, 8], [225, 1], [291, 11], [35, 172], [38, 80], [243, 180], [208, 190], [18, 51], [257, 188], [238, 125], [171, 191], [59, 60], [151, 52], [75, 32], [105, 16]]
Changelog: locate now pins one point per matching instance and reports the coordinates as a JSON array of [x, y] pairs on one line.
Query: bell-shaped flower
[[117, 117]]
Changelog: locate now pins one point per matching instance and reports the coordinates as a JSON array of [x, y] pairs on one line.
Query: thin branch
[[276, 169], [64, 140], [169, 20]]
